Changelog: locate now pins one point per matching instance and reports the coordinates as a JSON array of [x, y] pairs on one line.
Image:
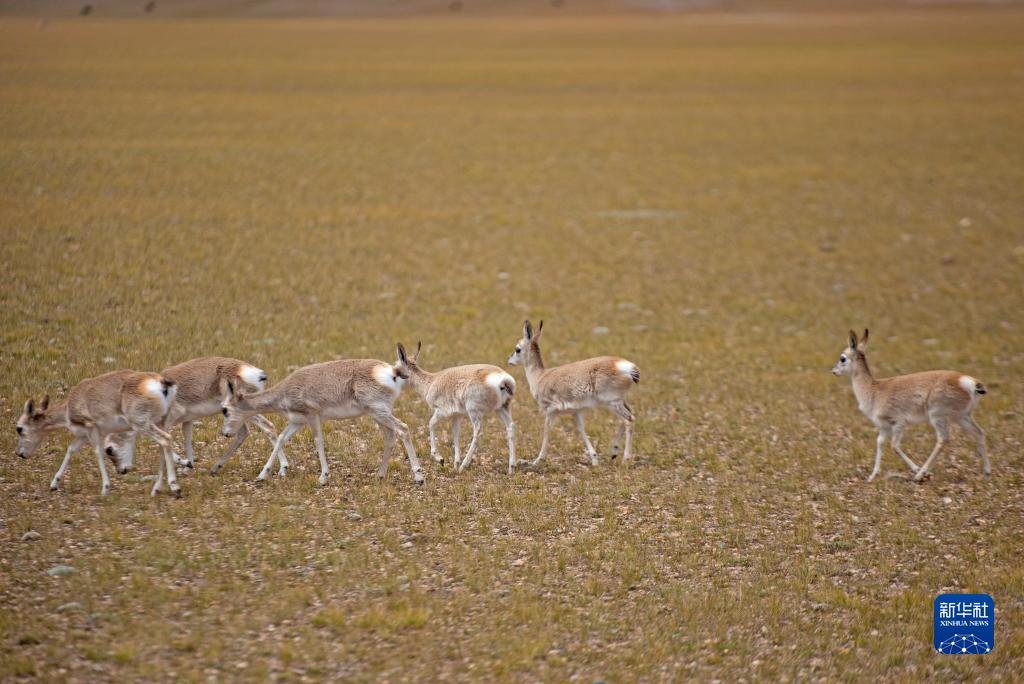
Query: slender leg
[[384, 417], [318, 437], [617, 441], [186, 433], [505, 414], [434, 420], [97, 442], [158, 483], [477, 423], [897, 437], [623, 411], [456, 426], [591, 451], [164, 440], [278, 451], [240, 436], [389, 443], [968, 423], [549, 420], [941, 438], [75, 445], [268, 429], [883, 434]]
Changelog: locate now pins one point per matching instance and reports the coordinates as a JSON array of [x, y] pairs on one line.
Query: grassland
[[726, 195]]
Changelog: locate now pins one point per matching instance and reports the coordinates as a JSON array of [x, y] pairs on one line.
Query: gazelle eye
[[518, 350], [224, 410], [20, 429], [843, 358]]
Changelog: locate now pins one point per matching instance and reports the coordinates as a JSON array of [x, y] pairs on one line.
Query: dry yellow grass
[[726, 195]]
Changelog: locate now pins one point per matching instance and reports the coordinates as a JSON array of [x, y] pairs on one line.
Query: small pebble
[[31, 535], [73, 605], [61, 571], [600, 330]]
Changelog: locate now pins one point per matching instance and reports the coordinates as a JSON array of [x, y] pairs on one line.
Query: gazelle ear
[[29, 406], [540, 329], [527, 330], [45, 403], [416, 356], [853, 340], [864, 340], [401, 353]]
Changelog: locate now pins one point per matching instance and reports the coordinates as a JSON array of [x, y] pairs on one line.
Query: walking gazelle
[[939, 397], [334, 390], [470, 391], [576, 387], [119, 401]]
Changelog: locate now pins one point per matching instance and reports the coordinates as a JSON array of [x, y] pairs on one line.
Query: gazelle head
[[406, 364], [234, 418], [120, 449], [526, 346], [30, 427], [853, 350]]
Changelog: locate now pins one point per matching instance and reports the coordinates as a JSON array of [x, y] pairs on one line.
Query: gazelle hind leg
[[897, 438], [625, 413], [97, 442], [477, 423], [164, 440], [434, 454], [456, 428], [941, 439], [968, 423], [505, 414], [318, 438]]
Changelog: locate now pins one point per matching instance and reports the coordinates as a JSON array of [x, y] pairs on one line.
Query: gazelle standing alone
[[333, 390], [463, 391], [939, 397], [576, 387], [202, 385], [119, 401]]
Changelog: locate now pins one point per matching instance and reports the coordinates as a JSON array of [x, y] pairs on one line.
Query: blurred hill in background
[[376, 8]]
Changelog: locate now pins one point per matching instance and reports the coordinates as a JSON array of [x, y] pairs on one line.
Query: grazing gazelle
[[939, 397], [118, 401], [333, 390], [202, 386], [576, 387], [463, 391]]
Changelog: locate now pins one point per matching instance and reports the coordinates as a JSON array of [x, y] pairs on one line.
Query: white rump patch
[[155, 389], [625, 367], [252, 376], [496, 378], [968, 383], [387, 377]]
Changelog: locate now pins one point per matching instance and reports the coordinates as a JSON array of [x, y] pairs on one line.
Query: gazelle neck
[[269, 400], [56, 417], [534, 367], [863, 382], [420, 380]]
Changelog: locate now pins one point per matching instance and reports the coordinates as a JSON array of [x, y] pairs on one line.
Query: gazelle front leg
[[75, 445], [318, 438], [434, 420], [186, 433], [505, 414], [591, 451], [897, 437], [623, 411], [549, 419], [385, 459], [278, 452], [243, 432], [968, 423], [267, 428], [883, 434]]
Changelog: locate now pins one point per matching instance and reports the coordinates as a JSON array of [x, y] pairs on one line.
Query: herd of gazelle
[[110, 411]]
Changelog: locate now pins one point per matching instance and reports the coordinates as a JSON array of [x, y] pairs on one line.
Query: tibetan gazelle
[[576, 387], [938, 397], [463, 392], [202, 387], [119, 401], [334, 390]]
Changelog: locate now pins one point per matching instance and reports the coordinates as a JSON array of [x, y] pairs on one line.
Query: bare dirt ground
[[717, 199]]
